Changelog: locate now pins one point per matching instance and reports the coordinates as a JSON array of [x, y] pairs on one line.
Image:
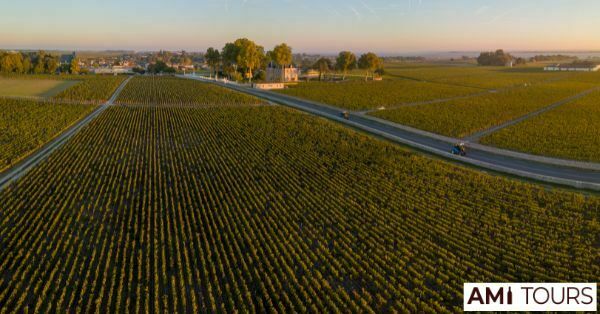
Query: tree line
[[498, 58], [243, 59], [347, 61], [35, 63]]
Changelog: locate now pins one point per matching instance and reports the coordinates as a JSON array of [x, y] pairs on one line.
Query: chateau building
[[290, 73]]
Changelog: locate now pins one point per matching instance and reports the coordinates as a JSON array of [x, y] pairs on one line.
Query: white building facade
[[573, 67], [274, 73]]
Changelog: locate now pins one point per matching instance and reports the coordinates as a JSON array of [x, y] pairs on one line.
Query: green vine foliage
[[224, 209]]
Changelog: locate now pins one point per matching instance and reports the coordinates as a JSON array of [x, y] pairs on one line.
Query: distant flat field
[[38, 88]]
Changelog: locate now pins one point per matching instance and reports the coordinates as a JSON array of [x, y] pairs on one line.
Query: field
[[176, 208], [361, 95], [570, 132], [475, 76], [26, 125], [92, 89], [33, 88], [463, 117], [168, 90]]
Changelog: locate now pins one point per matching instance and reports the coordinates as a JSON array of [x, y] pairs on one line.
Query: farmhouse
[[574, 67], [290, 73]]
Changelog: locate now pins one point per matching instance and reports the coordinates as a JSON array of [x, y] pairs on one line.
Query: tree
[[27, 66], [11, 63], [520, 61], [249, 56], [213, 59], [229, 55], [322, 65], [185, 59], [51, 64], [39, 66], [369, 62], [5, 63], [282, 55], [497, 58], [160, 67], [74, 66], [18, 62], [345, 60], [138, 70]]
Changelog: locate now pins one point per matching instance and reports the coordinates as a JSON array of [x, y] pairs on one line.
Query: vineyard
[[474, 76], [361, 95], [81, 88], [168, 90], [460, 118], [95, 89], [26, 125], [266, 209], [586, 77], [570, 132]]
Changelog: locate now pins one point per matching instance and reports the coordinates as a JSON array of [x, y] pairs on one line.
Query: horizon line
[[309, 52]]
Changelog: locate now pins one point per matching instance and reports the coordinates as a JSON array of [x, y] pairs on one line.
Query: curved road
[[31, 161], [548, 170]]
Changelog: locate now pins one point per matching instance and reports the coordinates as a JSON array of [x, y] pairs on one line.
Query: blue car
[[459, 149]]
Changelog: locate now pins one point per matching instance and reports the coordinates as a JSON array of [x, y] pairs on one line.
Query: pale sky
[[383, 26]]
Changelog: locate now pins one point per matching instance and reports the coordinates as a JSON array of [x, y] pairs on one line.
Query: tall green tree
[[345, 61], [27, 66], [11, 63], [39, 66], [229, 55], [213, 59], [369, 62], [18, 63], [5, 63], [74, 67], [494, 58], [282, 55], [249, 57], [160, 67], [51, 64], [323, 65]]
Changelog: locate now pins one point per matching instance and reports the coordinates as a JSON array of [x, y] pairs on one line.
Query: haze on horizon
[[383, 26]]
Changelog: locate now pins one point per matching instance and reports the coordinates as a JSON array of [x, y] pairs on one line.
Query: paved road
[[31, 161], [580, 178]]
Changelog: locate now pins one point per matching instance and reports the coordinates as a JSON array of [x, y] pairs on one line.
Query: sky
[[311, 26]]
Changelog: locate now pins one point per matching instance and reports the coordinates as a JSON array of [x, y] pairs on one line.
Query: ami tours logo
[[530, 297]]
